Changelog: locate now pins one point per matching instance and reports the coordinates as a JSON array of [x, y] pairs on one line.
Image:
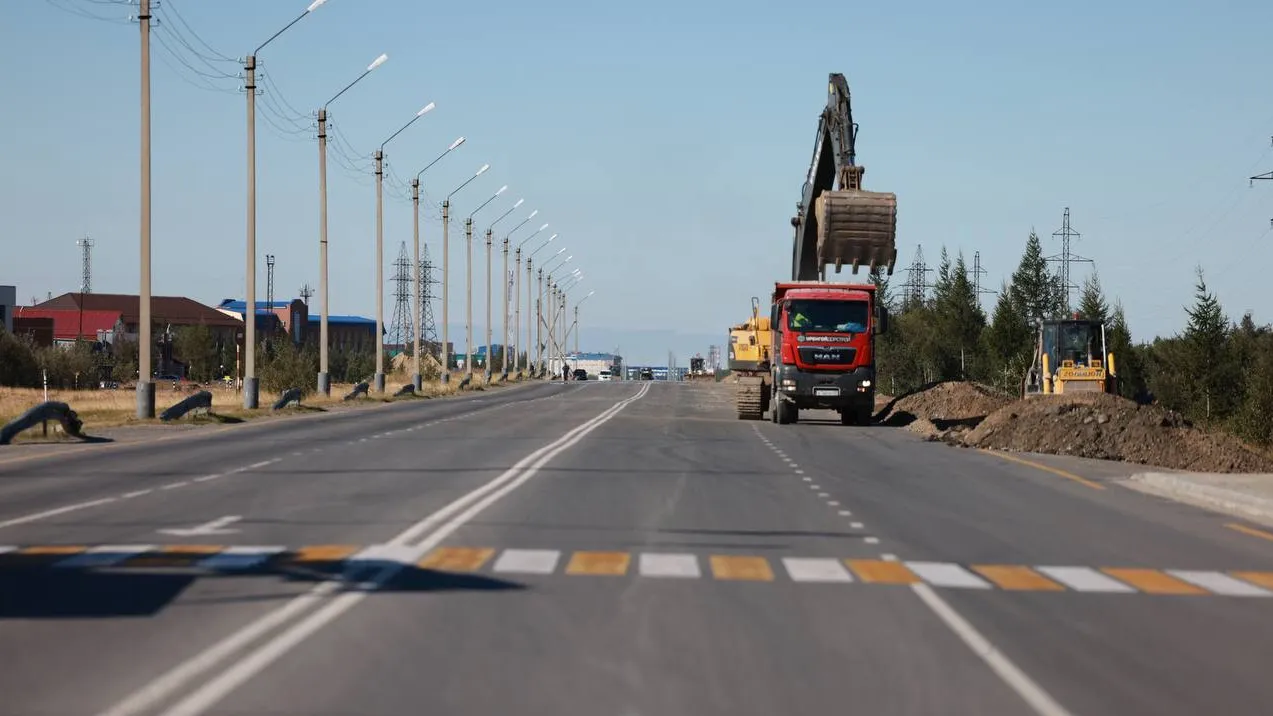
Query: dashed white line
[[174, 485], [845, 513], [815, 487], [135, 493], [799, 472], [206, 478], [55, 512], [856, 525], [808, 479], [889, 557], [824, 494], [833, 503], [872, 540]]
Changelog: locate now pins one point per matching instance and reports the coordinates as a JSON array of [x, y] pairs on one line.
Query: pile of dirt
[[944, 410], [1108, 427]]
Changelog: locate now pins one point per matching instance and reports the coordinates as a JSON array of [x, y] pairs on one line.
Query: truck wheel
[[847, 417], [864, 416], [785, 411]]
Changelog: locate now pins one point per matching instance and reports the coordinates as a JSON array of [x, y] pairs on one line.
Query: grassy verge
[[117, 408]]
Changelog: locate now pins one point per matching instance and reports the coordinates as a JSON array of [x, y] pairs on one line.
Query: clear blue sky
[[666, 142]]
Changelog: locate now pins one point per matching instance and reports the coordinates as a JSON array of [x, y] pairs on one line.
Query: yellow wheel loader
[[750, 360], [1070, 356]]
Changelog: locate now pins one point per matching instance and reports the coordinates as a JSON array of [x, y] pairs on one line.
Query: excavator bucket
[[857, 228]]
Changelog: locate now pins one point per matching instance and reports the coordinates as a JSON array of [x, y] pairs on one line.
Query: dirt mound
[[1107, 427], [944, 405]]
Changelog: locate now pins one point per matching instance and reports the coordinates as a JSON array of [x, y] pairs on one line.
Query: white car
[[603, 375]]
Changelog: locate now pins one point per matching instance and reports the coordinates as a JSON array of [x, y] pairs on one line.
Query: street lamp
[[417, 381], [324, 379], [250, 384], [145, 387], [517, 294], [576, 326], [380, 249], [504, 340], [517, 316], [445, 349], [468, 302], [539, 302]]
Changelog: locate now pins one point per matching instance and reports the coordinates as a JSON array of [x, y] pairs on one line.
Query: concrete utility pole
[[446, 277], [517, 320], [504, 340], [380, 250], [516, 336], [417, 380], [145, 388], [539, 322], [468, 302], [251, 392], [324, 378]]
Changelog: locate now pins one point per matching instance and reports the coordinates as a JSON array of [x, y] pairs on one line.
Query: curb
[[1188, 487]]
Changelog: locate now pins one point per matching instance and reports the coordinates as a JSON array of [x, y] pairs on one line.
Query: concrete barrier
[[408, 389], [201, 401], [43, 413], [291, 395], [360, 389]]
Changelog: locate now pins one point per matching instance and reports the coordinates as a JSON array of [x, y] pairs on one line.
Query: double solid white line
[[429, 532]]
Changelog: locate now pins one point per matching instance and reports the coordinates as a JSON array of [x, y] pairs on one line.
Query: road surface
[[618, 548]]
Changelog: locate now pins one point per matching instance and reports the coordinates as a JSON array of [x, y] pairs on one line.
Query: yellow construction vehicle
[[1070, 356], [750, 359]]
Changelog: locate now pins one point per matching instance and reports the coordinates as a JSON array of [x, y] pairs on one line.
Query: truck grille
[[828, 355]]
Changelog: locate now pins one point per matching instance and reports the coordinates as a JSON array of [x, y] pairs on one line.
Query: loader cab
[[1070, 355]]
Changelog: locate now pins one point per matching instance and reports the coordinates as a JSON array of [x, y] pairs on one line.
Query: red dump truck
[[824, 349]]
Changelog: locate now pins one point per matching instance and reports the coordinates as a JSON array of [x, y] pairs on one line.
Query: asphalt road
[[617, 548]]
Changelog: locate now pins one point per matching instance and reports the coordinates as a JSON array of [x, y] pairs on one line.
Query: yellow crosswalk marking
[[611, 563], [457, 559], [1153, 581], [1263, 579], [754, 569], [323, 553], [1020, 579], [882, 572]]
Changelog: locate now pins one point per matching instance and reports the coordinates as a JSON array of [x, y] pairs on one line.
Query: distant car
[[603, 375], [647, 374], [581, 374]]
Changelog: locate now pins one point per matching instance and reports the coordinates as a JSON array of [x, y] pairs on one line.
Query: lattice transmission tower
[[86, 264], [428, 326], [401, 327], [914, 291], [1066, 259], [977, 273]]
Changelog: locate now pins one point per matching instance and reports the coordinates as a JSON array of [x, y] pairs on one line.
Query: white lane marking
[[104, 555], [1085, 579], [872, 540], [1220, 583], [135, 493], [384, 553], [833, 503], [174, 485], [668, 565], [242, 557], [296, 452], [815, 569], [815, 487], [206, 478], [845, 513], [799, 472], [57, 511], [1012, 675], [527, 561], [248, 666], [214, 527], [856, 526], [888, 557], [944, 574], [808, 479], [824, 494]]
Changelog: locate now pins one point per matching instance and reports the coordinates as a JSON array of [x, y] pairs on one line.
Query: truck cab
[[824, 349]]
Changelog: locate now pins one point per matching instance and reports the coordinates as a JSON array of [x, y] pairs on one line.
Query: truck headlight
[[865, 384]]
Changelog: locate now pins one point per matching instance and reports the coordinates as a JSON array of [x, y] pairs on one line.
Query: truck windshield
[[829, 316]]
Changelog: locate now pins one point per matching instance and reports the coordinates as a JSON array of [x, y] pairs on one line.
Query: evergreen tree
[[1092, 303], [1128, 363], [1207, 347], [1007, 343], [197, 348], [883, 290], [1033, 290]]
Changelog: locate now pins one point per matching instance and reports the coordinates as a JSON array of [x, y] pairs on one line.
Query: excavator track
[[750, 398], [856, 227]]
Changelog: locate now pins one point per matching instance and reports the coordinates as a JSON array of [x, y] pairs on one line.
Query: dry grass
[[112, 408]]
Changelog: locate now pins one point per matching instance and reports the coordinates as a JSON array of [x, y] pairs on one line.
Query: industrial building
[[594, 363]]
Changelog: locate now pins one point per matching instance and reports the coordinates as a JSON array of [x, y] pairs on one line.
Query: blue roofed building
[[301, 324]]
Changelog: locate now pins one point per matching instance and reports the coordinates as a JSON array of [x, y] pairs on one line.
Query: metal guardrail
[[41, 414], [201, 401]]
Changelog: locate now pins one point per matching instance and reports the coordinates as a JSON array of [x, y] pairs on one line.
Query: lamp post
[[324, 378], [515, 337], [145, 387], [552, 326], [504, 340], [380, 249], [417, 381], [250, 383], [576, 326], [517, 315], [468, 302], [537, 304], [444, 351]]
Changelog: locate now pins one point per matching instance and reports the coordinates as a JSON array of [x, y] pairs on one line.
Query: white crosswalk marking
[[104, 555], [385, 553], [669, 565], [1218, 583], [240, 557], [1085, 579], [7, 548], [816, 569], [528, 561], [945, 574]]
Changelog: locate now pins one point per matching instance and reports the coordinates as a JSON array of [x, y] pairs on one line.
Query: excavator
[[698, 370], [750, 359], [837, 222], [1070, 356]]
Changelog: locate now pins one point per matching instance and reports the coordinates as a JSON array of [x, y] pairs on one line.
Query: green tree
[[1128, 361], [1033, 289], [1092, 303], [1206, 339], [197, 348], [1007, 344], [18, 366]]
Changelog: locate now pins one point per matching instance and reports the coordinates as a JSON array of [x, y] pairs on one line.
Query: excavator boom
[[837, 222]]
